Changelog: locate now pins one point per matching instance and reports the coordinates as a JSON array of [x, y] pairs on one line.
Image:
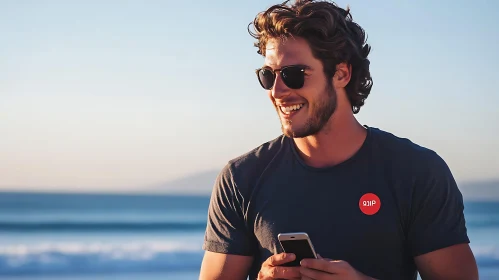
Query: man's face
[[316, 100]]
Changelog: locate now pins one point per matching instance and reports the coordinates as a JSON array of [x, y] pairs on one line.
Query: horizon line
[[169, 193]]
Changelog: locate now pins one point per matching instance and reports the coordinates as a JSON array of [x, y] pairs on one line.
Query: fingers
[[279, 272], [272, 269], [326, 265], [312, 274], [308, 273], [320, 257], [279, 259], [325, 276]]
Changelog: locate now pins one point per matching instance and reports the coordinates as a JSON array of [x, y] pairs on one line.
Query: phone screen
[[300, 248]]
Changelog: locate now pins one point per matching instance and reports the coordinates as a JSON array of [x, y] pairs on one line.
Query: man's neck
[[338, 141]]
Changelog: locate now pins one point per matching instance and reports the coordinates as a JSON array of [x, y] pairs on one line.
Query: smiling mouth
[[288, 110]]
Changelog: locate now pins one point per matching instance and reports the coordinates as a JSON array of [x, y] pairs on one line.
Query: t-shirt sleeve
[[437, 212], [226, 230]]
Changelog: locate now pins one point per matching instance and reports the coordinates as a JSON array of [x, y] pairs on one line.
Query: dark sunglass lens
[[266, 78], [293, 77]]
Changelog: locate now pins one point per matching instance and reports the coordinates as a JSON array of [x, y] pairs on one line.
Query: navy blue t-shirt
[[270, 190]]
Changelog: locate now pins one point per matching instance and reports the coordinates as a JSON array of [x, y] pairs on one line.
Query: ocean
[[146, 237]]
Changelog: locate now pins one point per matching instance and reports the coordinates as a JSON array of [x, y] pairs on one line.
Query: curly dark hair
[[332, 35]]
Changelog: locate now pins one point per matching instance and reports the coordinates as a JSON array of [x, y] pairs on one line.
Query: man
[[314, 177]]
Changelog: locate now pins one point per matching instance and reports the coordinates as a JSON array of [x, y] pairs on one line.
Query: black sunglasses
[[293, 76]]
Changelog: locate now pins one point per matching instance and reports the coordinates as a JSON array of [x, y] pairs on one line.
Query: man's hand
[[271, 268], [326, 269]]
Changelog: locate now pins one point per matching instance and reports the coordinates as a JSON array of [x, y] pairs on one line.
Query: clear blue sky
[[115, 95]]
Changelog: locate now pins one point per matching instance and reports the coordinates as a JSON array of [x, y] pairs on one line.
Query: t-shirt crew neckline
[[360, 152]]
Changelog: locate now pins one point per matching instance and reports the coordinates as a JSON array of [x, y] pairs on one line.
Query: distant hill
[[197, 183], [480, 190]]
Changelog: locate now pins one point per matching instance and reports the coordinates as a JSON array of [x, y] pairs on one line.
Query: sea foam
[[89, 258]]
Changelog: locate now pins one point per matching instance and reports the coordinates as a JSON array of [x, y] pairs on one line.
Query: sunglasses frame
[[275, 71]]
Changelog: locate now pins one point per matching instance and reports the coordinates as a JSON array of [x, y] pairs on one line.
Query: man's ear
[[343, 75]]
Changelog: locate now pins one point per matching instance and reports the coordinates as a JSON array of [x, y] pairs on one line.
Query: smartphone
[[299, 244]]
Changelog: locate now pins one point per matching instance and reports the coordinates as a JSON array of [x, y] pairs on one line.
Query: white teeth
[[288, 109]]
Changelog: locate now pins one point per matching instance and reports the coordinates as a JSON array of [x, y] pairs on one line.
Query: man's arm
[[229, 242], [454, 262], [217, 266], [437, 232]]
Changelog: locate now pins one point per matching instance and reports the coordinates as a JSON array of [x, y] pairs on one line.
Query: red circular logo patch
[[369, 204]]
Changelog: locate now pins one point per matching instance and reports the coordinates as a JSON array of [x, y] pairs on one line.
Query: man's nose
[[280, 89]]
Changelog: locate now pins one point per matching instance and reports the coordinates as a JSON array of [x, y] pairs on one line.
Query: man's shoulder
[[405, 155], [394, 147], [259, 155], [247, 167]]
